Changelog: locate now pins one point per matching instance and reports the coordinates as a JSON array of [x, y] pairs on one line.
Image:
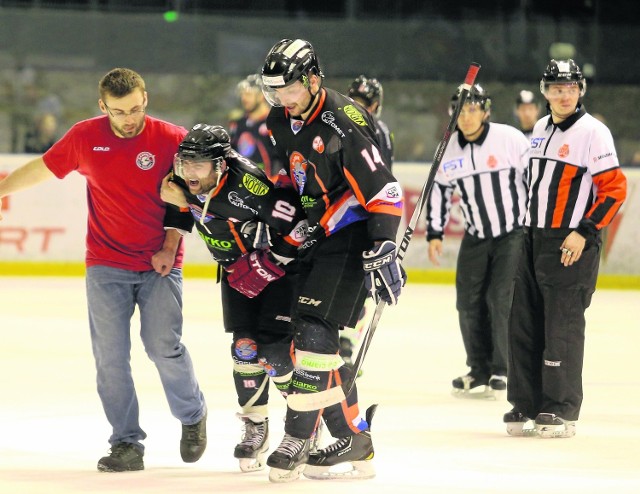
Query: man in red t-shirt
[[134, 257]]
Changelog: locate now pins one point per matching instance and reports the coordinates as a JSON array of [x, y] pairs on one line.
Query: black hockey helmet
[[287, 62], [203, 142], [368, 90], [477, 95], [563, 72]]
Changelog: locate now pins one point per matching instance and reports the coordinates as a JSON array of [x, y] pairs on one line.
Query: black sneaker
[[355, 452], [123, 457], [193, 441]]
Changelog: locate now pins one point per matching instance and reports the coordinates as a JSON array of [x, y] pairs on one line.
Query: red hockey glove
[[253, 272]]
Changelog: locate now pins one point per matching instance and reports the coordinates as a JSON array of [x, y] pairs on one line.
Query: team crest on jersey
[[253, 185], [298, 170], [145, 160], [393, 192], [246, 349], [492, 162], [354, 114], [318, 144], [563, 152], [296, 125]]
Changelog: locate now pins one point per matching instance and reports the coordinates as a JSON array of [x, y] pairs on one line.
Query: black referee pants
[[547, 325], [484, 290]]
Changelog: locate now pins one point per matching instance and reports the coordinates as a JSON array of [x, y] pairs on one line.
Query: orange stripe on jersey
[[316, 112], [564, 188], [377, 206], [355, 188], [232, 229], [331, 210], [612, 185]]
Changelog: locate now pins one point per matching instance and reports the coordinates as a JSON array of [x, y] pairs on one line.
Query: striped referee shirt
[[575, 180], [489, 176]]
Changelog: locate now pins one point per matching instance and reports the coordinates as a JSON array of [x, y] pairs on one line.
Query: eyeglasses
[[121, 115]]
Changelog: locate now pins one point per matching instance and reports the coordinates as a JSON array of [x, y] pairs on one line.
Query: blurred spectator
[[42, 135]]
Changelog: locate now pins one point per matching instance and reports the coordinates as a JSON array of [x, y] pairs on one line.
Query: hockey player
[[238, 213], [249, 135], [527, 111], [354, 205], [485, 165], [367, 92], [576, 187]]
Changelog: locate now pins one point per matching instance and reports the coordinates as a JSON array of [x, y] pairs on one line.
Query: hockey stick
[[422, 200], [306, 402]]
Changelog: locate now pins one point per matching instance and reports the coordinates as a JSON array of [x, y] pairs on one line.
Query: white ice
[[52, 429]]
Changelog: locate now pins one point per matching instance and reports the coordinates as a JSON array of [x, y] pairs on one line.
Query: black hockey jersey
[[251, 139], [227, 216], [336, 165]]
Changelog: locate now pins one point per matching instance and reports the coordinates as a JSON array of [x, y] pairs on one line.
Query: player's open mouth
[[194, 183]]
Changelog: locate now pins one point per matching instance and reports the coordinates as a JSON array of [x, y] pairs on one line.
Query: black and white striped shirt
[[489, 175]]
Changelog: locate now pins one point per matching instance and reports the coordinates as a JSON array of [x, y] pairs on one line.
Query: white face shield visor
[[269, 86]]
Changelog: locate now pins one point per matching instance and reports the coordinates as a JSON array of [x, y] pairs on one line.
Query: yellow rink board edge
[[605, 281]]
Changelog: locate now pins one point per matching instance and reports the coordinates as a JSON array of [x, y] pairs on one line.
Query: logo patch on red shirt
[[145, 160]]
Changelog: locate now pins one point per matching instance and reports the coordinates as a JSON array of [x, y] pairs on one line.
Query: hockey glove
[[384, 275], [253, 272]]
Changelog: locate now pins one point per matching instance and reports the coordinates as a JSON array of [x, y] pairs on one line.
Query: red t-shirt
[[125, 223]]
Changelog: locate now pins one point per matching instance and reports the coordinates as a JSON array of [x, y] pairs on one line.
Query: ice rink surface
[[53, 431]]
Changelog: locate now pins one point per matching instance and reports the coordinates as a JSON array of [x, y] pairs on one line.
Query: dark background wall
[[420, 50]]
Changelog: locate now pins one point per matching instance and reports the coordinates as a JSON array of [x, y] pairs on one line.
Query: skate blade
[[354, 470], [256, 464], [248, 465], [467, 394], [556, 432], [279, 475], [522, 429]]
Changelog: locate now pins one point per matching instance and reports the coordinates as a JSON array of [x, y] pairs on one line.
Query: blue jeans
[[112, 295]]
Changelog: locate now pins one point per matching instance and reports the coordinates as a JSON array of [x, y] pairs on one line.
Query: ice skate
[[348, 458], [289, 459], [252, 450], [467, 387], [549, 425], [519, 425], [498, 385]]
